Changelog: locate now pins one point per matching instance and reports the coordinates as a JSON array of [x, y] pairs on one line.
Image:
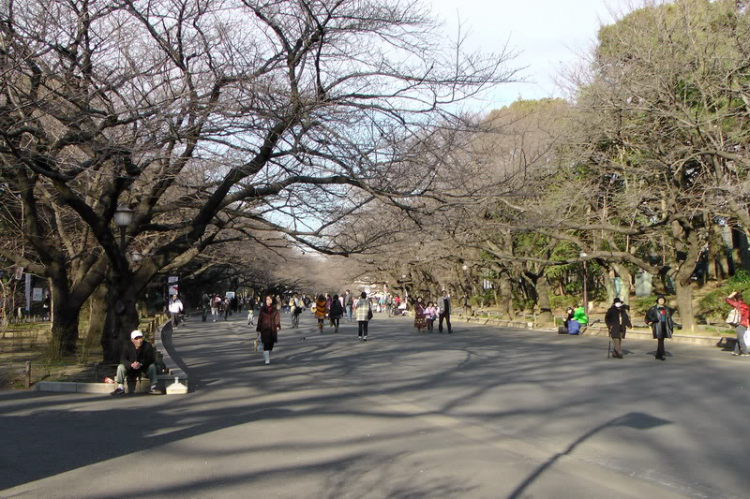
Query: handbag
[[257, 345], [734, 318], [369, 314]]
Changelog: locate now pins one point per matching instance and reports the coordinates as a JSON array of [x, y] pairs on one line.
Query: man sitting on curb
[[137, 357]]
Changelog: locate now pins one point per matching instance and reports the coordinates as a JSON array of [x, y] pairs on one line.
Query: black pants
[[660, 348], [335, 323], [447, 318], [363, 328]]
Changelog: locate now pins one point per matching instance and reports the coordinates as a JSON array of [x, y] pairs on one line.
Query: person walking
[[215, 307], [617, 321], [175, 310], [431, 314], [227, 308], [445, 312], [420, 321], [297, 307], [205, 306], [251, 311], [349, 305], [659, 317], [269, 323], [321, 309], [336, 312], [735, 300], [363, 314]]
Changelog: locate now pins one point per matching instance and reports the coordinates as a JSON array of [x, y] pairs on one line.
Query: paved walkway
[[480, 413]]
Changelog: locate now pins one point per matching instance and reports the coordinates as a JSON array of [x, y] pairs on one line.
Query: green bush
[[563, 301], [713, 305], [640, 305]]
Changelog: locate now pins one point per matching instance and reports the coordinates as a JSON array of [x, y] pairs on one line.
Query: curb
[[707, 341], [175, 373]]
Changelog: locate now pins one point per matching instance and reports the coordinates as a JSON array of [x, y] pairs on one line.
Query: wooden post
[[27, 374]]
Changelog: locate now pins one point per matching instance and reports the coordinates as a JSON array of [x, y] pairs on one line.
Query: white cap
[[135, 334]]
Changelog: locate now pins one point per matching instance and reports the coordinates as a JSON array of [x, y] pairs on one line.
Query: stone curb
[[707, 341], [180, 386]]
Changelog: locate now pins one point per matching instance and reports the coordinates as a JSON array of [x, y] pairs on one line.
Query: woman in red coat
[[269, 323]]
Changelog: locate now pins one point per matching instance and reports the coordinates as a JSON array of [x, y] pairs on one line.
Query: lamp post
[[123, 218], [585, 285]]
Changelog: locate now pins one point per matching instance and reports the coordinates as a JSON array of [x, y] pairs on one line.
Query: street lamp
[[585, 288], [123, 218]]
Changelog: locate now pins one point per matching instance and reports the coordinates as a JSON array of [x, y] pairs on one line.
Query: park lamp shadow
[[634, 420]]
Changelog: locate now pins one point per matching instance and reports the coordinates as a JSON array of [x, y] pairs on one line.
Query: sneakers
[[364, 339], [154, 391], [360, 338], [118, 391], [735, 354], [745, 355]]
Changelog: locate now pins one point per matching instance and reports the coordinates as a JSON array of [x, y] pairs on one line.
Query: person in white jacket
[[175, 310]]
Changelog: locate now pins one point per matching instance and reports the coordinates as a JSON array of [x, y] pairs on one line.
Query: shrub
[[563, 301]]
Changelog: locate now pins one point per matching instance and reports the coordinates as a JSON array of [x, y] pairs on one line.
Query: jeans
[[214, 313], [741, 346], [363, 328], [175, 318], [447, 318], [123, 371], [349, 314]]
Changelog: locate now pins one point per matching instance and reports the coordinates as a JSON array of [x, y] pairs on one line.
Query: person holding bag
[[617, 321], [740, 321], [269, 323], [363, 314]]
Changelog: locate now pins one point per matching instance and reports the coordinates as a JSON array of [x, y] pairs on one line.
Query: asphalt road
[[484, 412]]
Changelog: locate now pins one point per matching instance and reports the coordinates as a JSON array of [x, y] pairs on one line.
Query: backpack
[[734, 318]]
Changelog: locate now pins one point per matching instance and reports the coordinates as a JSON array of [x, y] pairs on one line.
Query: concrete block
[[55, 386], [176, 388]]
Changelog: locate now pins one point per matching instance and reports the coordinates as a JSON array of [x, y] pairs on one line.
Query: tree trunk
[[685, 303], [506, 297], [65, 318], [65, 322], [627, 280], [609, 286], [122, 319], [543, 292], [97, 315]]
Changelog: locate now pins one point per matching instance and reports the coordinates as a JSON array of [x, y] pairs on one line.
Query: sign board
[[37, 294], [172, 279], [230, 294], [19, 273], [173, 290]]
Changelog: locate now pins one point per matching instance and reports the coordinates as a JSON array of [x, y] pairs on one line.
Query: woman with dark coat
[[659, 317], [336, 312], [269, 323], [617, 321], [420, 321]]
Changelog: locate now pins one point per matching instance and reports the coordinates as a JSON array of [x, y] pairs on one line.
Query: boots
[[267, 356]]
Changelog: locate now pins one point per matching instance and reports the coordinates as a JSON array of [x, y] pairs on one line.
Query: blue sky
[[549, 34]]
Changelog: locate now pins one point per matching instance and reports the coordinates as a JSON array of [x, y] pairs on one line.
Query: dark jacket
[[617, 321], [146, 355], [445, 305], [653, 319], [269, 323], [336, 310]]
